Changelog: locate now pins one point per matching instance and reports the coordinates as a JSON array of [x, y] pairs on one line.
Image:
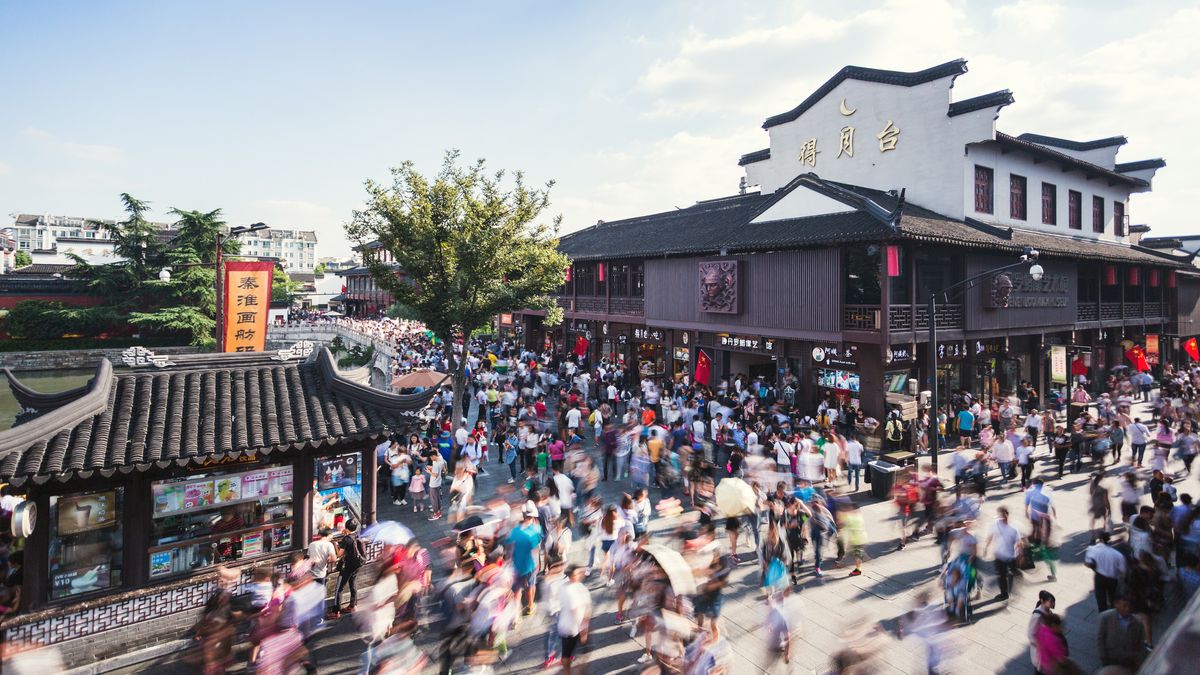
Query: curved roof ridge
[[87, 401], [1068, 144], [894, 77]]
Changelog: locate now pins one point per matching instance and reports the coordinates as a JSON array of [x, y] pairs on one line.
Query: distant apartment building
[[336, 264], [50, 239], [295, 249]]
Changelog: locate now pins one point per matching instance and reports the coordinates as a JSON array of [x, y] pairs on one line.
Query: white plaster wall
[[801, 204], [1105, 157], [928, 152], [1004, 165]]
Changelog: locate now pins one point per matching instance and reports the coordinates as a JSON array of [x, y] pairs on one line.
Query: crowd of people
[[713, 478]]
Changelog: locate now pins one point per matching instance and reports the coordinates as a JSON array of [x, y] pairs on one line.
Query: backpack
[[355, 555]]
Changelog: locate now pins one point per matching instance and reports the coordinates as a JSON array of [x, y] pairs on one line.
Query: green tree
[[22, 259], [283, 289], [35, 320], [319, 269], [470, 245]]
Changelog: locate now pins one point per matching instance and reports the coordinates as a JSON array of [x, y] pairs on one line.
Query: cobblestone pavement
[[891, 581]]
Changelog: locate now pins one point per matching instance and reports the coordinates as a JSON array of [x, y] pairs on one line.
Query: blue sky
[[277, 112]]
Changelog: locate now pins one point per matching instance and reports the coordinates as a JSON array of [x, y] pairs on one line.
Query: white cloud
[[90, 152], [5, 169], [1028, 15]]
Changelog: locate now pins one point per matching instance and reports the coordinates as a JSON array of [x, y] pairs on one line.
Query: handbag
[[775, 572]]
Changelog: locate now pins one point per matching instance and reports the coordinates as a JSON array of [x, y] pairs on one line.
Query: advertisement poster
[[1058, 364], [168, 497], [255, 484], [252, 544], [247, 302], [280, 481], [332, 508], [84, 513], [160, 563], [198, 494], [229, 489], [1152, 349], [340, 471], [281, 537], [82, 580]]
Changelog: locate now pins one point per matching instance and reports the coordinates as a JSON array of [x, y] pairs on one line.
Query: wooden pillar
[[37, 560], [302, 499], [370, 485], [137, 506]]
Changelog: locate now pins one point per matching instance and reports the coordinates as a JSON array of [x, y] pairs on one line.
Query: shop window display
[[207, 519], [86, 542], [338, 491]]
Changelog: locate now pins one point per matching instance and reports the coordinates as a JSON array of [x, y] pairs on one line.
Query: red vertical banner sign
[[1152, 349], [247, 302], [1110, 275], [703, 367], [600, 272], [893, 261]]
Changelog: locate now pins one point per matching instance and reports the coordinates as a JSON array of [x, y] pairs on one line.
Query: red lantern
[[1110, 275], [568, 274], [1135, 276], [1153, 278], [1171, 279], [600, 271], [893, 261]]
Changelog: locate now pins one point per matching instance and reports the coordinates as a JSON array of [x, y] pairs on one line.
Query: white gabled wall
[[924, 161], [1004, 165]]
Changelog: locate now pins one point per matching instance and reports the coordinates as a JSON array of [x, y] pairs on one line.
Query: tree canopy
[[469, 245]]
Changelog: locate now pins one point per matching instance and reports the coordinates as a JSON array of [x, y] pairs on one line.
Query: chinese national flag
[[1137, 356], [581, 346], [1192, 349], [703, 367]]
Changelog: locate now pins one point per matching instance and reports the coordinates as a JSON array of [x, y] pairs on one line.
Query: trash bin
[[883, 477]]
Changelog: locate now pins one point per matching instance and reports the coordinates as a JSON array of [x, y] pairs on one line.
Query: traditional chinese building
[[876, 190], [161, 468]]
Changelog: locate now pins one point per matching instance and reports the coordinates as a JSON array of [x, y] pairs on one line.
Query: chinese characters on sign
[[247, 298], [888, 137], [1058, 364], [744, 342], [650, 334], [951, 350]]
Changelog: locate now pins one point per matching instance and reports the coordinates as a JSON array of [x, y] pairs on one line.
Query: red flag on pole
[[1137, 356], [581, 346], [703, 367], [1192, 349]]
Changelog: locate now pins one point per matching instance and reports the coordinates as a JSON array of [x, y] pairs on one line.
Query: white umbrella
[[734, 496], [334, 314], [677, 570], [388, 532]]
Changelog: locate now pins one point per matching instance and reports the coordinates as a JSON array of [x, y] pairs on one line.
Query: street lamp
[[164, 275], [1028, 257], [233, 232]]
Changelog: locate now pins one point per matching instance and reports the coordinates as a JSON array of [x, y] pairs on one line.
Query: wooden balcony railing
[[860, 317], [905, 317]]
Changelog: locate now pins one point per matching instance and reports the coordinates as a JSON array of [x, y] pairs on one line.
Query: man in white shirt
[[1004, 454], [1108, 565], [1005, 543], [715, 428], [322, 554], [573, 417], [575, 611], [854, 455]]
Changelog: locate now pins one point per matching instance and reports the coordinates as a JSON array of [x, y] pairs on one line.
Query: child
[[416, 488]]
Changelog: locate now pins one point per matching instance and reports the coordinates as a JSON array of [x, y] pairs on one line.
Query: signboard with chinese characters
[[898, 354], [752, 343], [247, 301], [644, 334], [950, 350], [833, 355], [1058, 364]]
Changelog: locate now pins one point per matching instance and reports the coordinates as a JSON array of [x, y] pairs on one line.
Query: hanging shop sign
[[247, 301], [1152, 348], [990, 348], [683, 354], [645, 334], [1058, 364], [753, 343], [951, 350], [898, 354], [578, 326], [1020, 290], [833, 355]]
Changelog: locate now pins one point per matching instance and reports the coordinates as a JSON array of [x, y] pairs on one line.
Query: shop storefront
[[836, 374], [650, 352], [159, 474]]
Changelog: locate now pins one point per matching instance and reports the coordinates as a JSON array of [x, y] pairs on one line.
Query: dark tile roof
[[893, 77], [871, 215], [201, 407], [46, 269], [996, 99], [1141, 164], [302, 277], [756, 156], [1074, 145], [1043, 152]]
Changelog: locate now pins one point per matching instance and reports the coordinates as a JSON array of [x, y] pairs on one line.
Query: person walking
[[1121, 637], [574, 615], [1108, 566], [351, 556], [1139, 436], [1005, 543], [437, 473]]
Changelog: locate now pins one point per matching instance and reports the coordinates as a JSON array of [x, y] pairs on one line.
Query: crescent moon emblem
[[845, 110]]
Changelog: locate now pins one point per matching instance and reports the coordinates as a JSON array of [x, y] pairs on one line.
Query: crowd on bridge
[[712, 478]]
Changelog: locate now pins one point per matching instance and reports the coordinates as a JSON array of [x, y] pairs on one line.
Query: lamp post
[[1028, 257]]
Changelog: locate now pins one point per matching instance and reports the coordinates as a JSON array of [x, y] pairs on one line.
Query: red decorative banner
[[247, 303]]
